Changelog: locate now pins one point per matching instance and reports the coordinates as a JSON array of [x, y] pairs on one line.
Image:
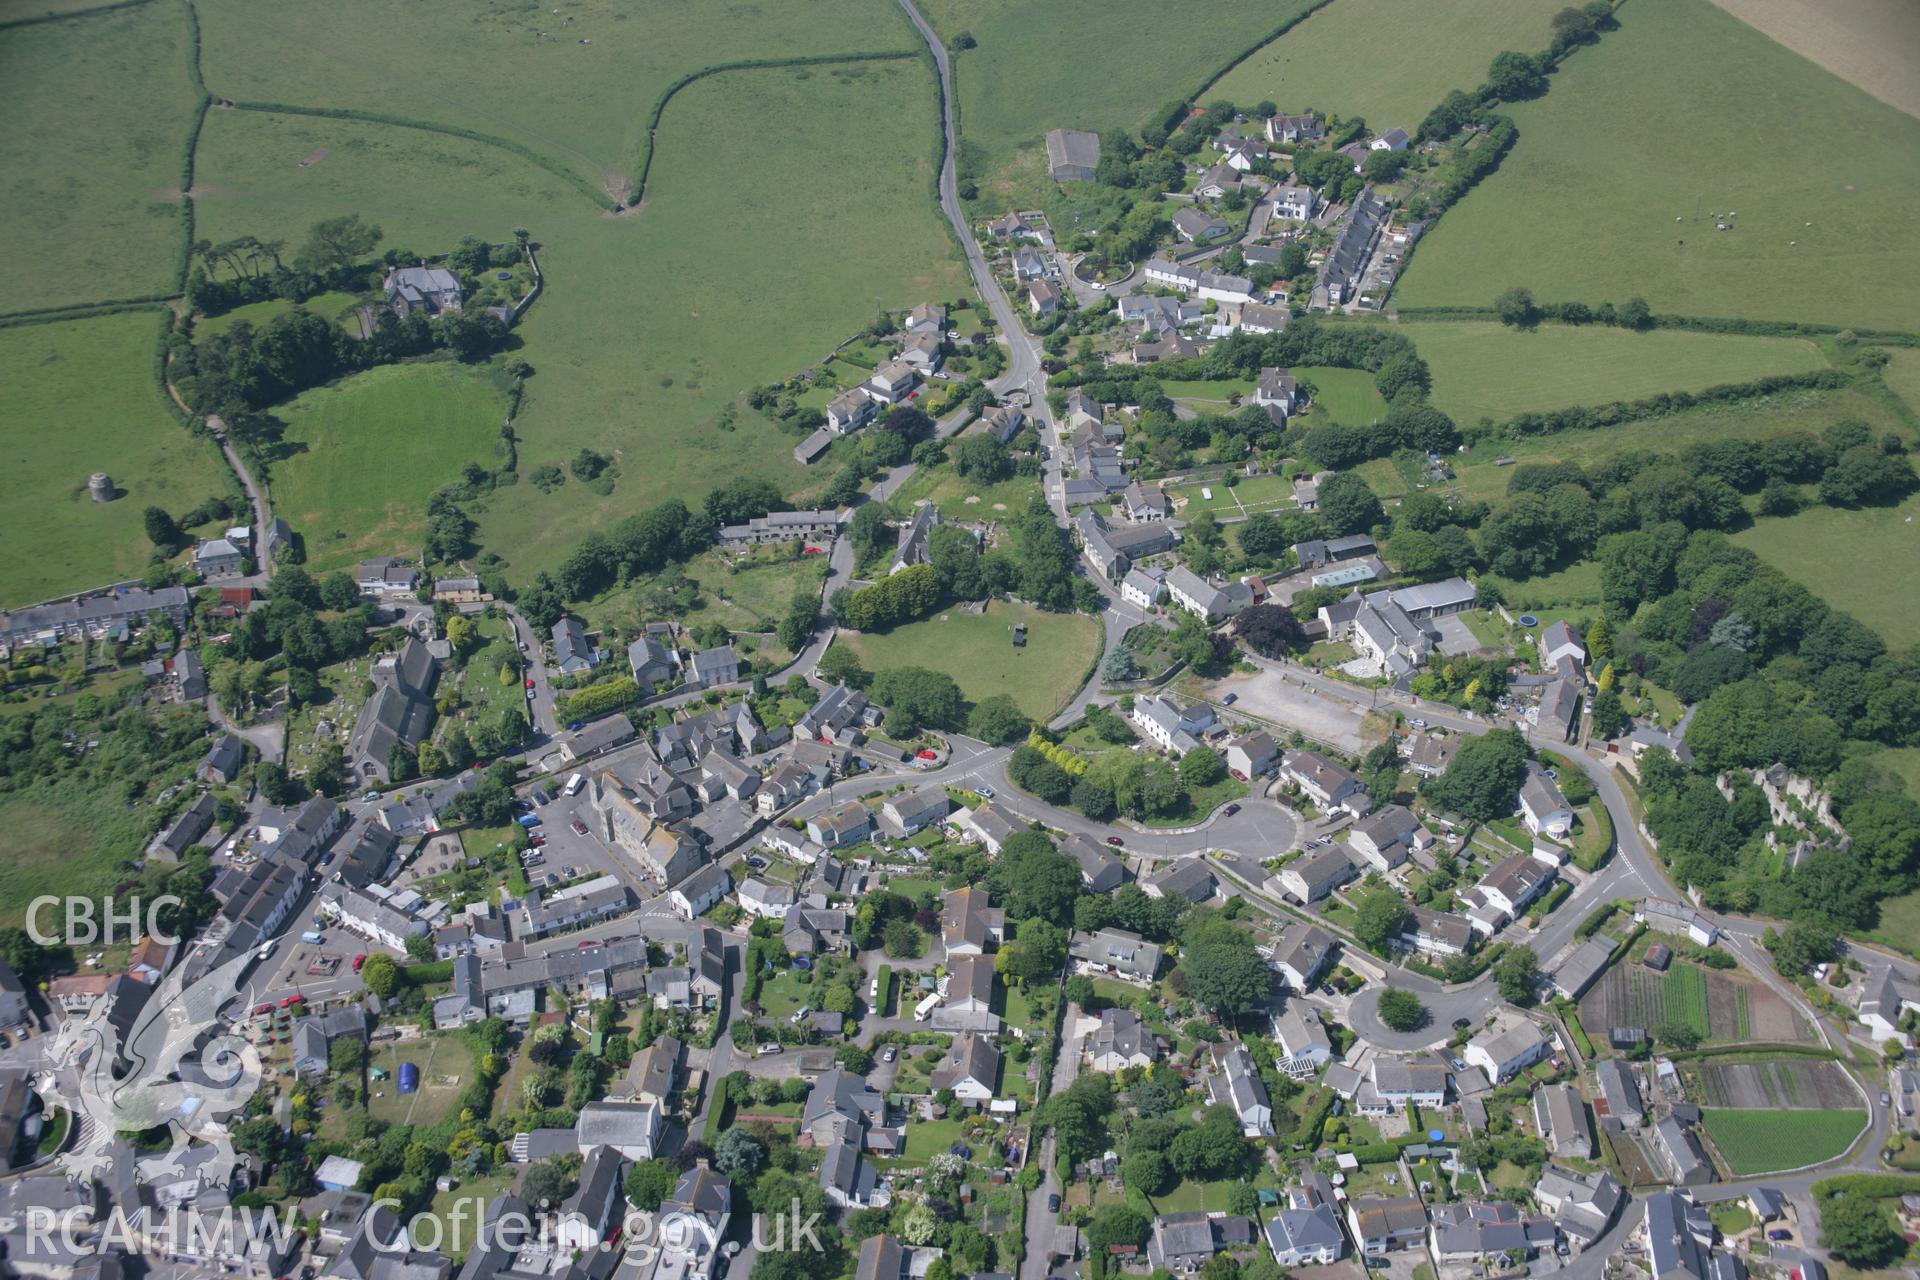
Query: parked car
[[889, 1053], [755, 861], [576, 726], [984, 791], [537, 842], [529, 682], [1232, 809], [767, 1050], [1053, 1203], [264, 1009], [1461, 1024], [579, 827], [1115, 841], [528, 820], [928, 754], [1230, 699], [1779, 1233], [293, 1000], [359, 961]]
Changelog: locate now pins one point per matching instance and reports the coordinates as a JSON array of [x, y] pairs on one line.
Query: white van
[[574, 784]]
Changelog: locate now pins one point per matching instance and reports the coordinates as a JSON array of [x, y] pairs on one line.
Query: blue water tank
[[409, 1077]]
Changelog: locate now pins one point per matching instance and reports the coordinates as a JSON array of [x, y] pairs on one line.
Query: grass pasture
[[332, 305], [654, 322], [1870, 43], [61, 841], [1343, 395], [97, 110], [976, 649], [1579, 212], [1821, 548], [580, 94], [1491, 370], [1754, 1142], [1387, 60], [961, 498], [376, 446], [80, 398], [1903, 375]]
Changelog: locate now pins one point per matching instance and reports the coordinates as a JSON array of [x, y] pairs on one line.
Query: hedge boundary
[[1581, 417], [43, 19], [1701, 324]]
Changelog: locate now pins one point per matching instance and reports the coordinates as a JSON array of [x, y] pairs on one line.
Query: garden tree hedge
[[1483, 780], [1270, 630], [917, 698], [1859, 1231], [1401, 1010], [1224, 970], [1382, 916], [901, 597], [1034, 881], [1517, 974], [1348, 506], [648, 1183]]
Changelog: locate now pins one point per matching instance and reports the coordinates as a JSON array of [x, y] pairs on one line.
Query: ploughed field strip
[[1781, 1086]]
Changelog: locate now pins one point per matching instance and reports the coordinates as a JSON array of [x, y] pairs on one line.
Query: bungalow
[[1313, 876], [1252, 755], [1118, 952], [1509, 1044], [1327, 784], [1305, 1233], [1388, 837], [1429, 754], [1304, 1044], [1189, 878], [1193, 226], [1391, 140], [891, 382], [846, 823], [1100, 871], [1381, 1225], [971, 1068], [1560, 1114], [1218, 182], [1542, 807], [386, 576], [1120, 1041], [1302, 953]]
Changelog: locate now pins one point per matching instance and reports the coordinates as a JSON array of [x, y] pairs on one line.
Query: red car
[[579, 827], [1115, 841], [537, 842], [265, 1008], [291, 1001], [529, 682], [358, 961], [813, 551], [928, 755]]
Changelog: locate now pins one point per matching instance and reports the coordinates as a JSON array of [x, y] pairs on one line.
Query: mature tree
[[982, 458], [1202, 767], [841, 665], [1147, 1171], [1515, 77], [648, 1183], [1382, 917], [1516, 306], [1483, 781], [1270, 630], [380, 975], [1263, 537], [902, 940], [1401, 1010], [1347, 505], [1034, 881], [855, 1059], [336, 243], [1517, 974], [1211, 1150], [548, 1182], [1610, 718], [1858, 1230], [998, 719], [1225, 972], [1801, 946], [162, 531], [917, 698], [1036, 954]]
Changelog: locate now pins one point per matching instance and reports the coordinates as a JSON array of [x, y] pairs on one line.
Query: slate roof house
[[1185, 1242], [1120, 952], [429, 290], [572, 652], [1120, 1041]]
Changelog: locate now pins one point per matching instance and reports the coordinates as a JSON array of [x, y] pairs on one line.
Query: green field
[[1254, 493], [376, 446], [97, 111], [1387, 60], [580, 95], [1344, 395], [1581, 210], [1899, 925], [446, 1067], [1866, 561], [976, 649], [64, 840], [655, 321], [960, 498], [1685, 995], [1903, 375], [1753, 1142], [1490, 370], [80, 398], [1034, 70]]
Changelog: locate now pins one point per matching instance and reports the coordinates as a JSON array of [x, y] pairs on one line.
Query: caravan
[[924, 1010]]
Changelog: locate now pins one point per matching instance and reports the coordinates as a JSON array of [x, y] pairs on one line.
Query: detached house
[[1315, 875], [848, 822], [969, 924], [1382, 1225], [572, 652], [1545, 811], [1388, 837], [428, 290], [1293, 203], [1302, 953], [1169, 725], [1322, 781], [1118, 952], [971, 1068], [1185, 1242], [891, 382], [1560, 1114], [1236, 1084]]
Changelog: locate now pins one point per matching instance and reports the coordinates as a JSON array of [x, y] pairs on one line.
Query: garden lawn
[[583, 81], [976, 649], [376, 446], [97, 112], [654, 322], [460, 1227], [1821, 176], [928, 1138], [1754, 1142], [1485, 369], [438, 1057], [1254, 493], [1391, 61], [1577, 584], [333, 304], [1343, 395], [1865, 561], [80, 398]]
